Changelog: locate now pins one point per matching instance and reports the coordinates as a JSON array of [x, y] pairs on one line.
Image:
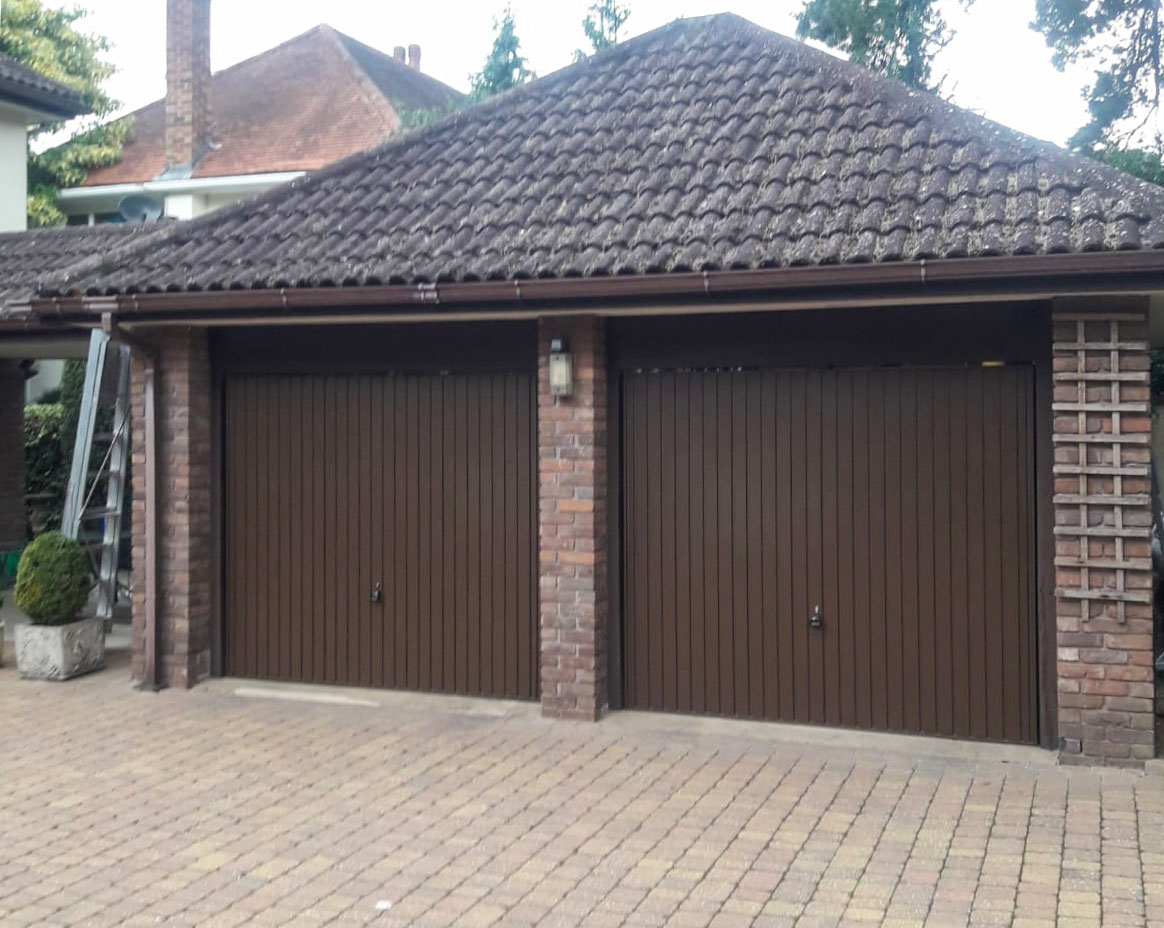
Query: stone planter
[[58, 652]]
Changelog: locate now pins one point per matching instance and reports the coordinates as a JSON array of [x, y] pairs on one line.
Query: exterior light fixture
[[561, 368]]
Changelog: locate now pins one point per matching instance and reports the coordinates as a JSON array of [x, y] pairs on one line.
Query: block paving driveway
[[213, 808]]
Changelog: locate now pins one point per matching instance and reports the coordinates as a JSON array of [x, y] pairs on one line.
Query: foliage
[[603, 21], [45, 464], [897, 38], [47, 41], [1138, 162], [1121, 40], [1157, 376], [72, 391], [53, 580], [67, 165], [505, 66], [419, 118]]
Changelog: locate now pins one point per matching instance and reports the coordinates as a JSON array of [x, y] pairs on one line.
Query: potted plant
[[52, 587]]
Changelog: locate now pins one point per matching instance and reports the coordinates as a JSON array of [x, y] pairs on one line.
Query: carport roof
[[708, 144], [29, 258]]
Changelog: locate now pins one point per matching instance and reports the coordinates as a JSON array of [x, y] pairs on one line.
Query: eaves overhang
[[941, 280]]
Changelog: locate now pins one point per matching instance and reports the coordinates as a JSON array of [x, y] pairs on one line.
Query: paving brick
[[209, 809]]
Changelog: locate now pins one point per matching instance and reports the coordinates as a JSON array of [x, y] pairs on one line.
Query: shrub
[[45, 465], [72, 391], [53, 580]]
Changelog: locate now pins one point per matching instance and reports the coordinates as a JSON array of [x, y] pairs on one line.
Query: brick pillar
[[13, 520], [1103, 563], [572, 524], [184, 583]]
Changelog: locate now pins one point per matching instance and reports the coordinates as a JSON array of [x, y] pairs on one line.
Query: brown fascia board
[[948, 277]]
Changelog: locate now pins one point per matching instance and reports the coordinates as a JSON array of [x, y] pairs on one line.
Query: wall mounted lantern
[[561, 368]]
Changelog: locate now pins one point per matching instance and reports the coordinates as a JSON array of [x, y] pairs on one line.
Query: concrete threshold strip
[[360, 697], [633, 724]]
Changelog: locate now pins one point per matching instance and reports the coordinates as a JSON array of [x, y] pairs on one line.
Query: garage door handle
[[816, 620], [377, 593]]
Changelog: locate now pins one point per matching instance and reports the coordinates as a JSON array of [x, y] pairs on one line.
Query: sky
[[997, 65]]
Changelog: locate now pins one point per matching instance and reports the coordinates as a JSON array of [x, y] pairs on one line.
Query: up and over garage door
[[832, 542], [849, 547], [379, 530]]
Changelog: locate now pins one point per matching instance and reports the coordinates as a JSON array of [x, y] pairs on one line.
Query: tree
[[46, 41], [505, 66], [1121, 39], [603, 21], [898, 38]]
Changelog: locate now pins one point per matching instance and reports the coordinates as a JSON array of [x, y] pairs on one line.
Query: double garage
[[823, 517]]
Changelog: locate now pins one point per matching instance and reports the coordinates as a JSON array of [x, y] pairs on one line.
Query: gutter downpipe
[[151, 678]]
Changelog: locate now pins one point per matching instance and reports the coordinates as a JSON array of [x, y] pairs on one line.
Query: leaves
[[897, 38], [505, 66], [1121, 41], [47, 41], [1138, 162], [603, 21]]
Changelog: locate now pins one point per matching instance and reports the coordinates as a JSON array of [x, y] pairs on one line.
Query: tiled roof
[[29, 258], [32, 89], [313, 100], [706, 144]]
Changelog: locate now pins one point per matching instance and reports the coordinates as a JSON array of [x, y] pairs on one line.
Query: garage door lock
[[816, 620], [377, 593]]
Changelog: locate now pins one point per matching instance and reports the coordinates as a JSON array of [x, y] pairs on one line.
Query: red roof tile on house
[[299, 106]]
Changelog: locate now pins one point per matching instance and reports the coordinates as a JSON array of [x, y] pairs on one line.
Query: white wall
[[13, 171], [48, 377]]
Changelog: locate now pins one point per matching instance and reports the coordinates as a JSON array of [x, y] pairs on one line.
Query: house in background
[[215, 138], [27, 99]]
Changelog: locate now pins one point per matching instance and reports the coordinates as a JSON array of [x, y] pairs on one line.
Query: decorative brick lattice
[[1103, 566]]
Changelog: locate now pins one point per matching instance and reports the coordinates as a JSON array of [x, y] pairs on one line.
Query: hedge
[[46, 465]]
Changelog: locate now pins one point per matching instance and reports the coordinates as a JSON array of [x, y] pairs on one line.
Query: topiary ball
[[53, 580]]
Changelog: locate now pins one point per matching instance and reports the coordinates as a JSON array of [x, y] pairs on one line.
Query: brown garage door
[[422, 486], [899, 501]]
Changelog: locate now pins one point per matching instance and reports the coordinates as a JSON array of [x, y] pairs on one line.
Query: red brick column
[[572, 524], [13, 520], [1103, 516], [183, 410]]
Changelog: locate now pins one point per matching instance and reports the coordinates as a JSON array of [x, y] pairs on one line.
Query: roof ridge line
[[378, 100], [418, 135]]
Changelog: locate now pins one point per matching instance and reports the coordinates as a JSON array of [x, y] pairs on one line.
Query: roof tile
[[709, 143]]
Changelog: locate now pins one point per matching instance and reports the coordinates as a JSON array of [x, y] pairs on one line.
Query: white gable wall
[[13, 170]]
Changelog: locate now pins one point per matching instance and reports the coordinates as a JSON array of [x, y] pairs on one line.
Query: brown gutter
[[151, 665], [1069, 271]]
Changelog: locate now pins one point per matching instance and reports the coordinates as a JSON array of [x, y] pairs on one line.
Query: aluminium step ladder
[[98, 528]]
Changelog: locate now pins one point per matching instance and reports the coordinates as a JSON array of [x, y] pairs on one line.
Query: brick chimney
[[187, 84], [398, 53], [414, 57]]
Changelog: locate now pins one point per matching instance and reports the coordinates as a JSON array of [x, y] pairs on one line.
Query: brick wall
[[1103, 562], [572, 506], [187, 81], [183, 409], [12, 514]]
